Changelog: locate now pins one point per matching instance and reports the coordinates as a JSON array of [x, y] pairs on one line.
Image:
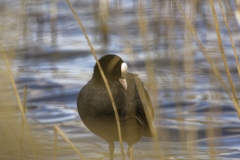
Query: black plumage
[[95, 107]]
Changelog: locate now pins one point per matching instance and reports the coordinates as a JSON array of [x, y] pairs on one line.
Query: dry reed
[[222, 51], [18, 100], [58, 130], [143, 28], [53, 14], [213, 67], [104, 78], [55, 144], [230, 36], [190, 7]]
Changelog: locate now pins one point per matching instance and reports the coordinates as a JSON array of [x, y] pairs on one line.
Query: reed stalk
[[16, 137], [24, 31], [230, 36], [24, 99], [191, 136], [18, 99], [222, 51], [55, 144], [24, 107], [188, 48], [103, 76], [151, 75], [58, 130], [151, 78], [163, 133], [122, 30], [174, 72], [202, 48], [53, 13], [210, 135]]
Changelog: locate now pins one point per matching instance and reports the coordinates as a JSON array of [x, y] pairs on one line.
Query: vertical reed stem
[[25, 98], [68, 141], [18, 99], [214, 68], [24, 108], [143, 27], [103, 76], [55, 143], [230, 36], [222, 51], [53, 22], [15, 135]]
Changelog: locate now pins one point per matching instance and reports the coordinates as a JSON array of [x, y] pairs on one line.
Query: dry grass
[[103, 76]]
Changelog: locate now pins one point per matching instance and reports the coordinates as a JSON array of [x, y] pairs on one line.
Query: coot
[[95, 107]]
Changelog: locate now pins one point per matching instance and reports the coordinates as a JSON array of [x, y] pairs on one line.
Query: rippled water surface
[[193, 111]]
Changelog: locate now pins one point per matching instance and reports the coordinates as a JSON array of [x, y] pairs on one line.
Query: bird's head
[[113, 67]]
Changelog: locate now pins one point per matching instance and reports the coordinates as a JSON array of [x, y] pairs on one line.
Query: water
[[55, 73]]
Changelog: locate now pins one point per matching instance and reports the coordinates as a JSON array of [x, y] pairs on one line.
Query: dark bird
[[95, 107]]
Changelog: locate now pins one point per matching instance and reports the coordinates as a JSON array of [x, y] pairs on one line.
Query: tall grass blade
[[222, 50], [18, 99], [142, 24], [214, 68], [230, 36], [55, 143], [68, 141], [103, 76]]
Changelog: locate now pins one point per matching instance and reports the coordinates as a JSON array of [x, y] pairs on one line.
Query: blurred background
[[172, 44]]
